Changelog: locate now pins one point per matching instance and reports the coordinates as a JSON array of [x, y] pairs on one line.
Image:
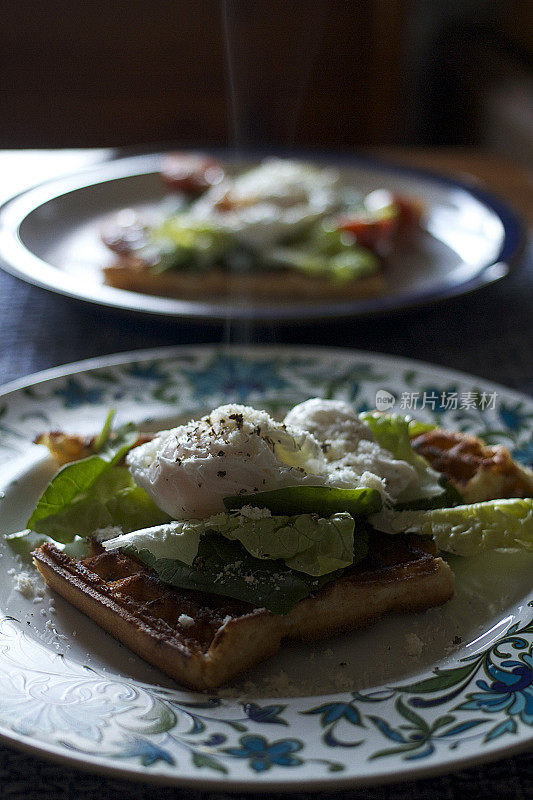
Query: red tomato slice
[[377, 234], [389, 219], [410, 213], [190, 173]]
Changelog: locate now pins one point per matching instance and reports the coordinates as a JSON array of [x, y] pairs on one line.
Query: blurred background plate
[[49, 236]]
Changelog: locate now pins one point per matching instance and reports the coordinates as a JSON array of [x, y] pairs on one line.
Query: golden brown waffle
[[478, 471], [280, 286], [204, 640]]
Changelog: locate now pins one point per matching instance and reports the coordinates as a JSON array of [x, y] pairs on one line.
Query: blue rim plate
[[49, 236], [411, 696]]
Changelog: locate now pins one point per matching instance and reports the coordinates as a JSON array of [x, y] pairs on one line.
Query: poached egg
[[233, 450], [190, 469], [265, 205]]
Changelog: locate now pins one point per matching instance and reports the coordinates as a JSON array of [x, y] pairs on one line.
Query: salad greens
[[417, 427], [111, 500], [447, 499], [392, 433], [75, 481], [350, 263], [95, 493], [305, 542], [467, 530], [326, 251], [226, 568], [181, 242], [23, 543], [103, 437], [310, 500]]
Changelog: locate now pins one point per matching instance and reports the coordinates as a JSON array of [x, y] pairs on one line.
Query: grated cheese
[[28, 585]]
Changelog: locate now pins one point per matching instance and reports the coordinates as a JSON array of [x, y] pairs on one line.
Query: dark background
[[318, 73]]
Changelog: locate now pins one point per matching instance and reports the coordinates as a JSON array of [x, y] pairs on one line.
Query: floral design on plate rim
[[478, 703]]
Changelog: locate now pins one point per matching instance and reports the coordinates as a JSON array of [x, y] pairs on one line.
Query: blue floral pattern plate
[[411, 696]]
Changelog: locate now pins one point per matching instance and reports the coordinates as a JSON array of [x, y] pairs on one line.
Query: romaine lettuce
[[183, 242], [224, 567], [73, 481], [450, 497], [392, 433], [469, 529], [353, 262], [305, 542], [417, 427], [95, 493], [23, 543], [103, 437], [112, 500]]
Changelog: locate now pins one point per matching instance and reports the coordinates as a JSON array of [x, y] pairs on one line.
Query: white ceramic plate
[[50, 236], [411, 696]]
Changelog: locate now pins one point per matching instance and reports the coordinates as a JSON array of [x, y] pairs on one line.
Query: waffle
[[131, 273], [478, 471], [205, 640]]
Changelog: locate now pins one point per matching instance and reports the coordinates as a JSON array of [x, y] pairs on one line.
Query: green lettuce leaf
[[103, 437], [183, 242], [392, 433], [470, 529], [323, 500], [132, 508], [74, 481], [417, 427], [349, 264], [23, 543], [311, 544], [308, 543], [171, 540], [225, 568], [111, 500]]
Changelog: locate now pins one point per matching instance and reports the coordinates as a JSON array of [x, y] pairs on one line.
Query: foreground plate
[[50, 236], [411, 696]]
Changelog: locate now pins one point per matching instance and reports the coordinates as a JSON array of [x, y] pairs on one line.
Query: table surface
[[489, 334]]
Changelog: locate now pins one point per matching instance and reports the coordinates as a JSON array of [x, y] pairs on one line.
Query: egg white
[[189, 470]]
